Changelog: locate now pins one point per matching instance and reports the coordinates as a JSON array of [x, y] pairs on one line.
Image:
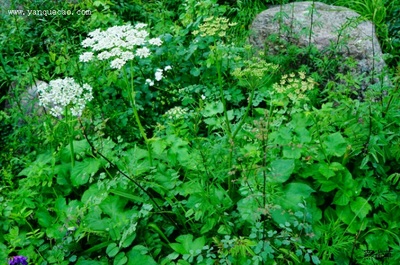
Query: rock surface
[[332, 27]]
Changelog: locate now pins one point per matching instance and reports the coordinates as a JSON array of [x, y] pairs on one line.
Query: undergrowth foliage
[[177, 143]]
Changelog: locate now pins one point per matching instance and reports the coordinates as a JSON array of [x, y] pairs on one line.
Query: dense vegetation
[[179, 143]]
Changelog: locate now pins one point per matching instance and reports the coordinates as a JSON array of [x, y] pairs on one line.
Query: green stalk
[[71, 135], [221, 92], [246, 113], [132, 96]]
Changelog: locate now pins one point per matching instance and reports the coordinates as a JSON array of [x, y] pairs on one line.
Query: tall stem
[[71, 135], [132, 96]]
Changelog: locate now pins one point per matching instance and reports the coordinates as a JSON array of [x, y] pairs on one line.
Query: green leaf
[[335, 144], [281, 170], [296, 193], [360, 207], [120, 259], [113, 205], [112, 250], [377, 241], [341, 198], [81, 172], [325, 170], [186, 244], [44, 217], [213, 108], [138, 256], [291, 152], [249, 210], [195, 71]]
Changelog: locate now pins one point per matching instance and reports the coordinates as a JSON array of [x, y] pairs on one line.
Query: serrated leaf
[[82, 170], [341, 198]]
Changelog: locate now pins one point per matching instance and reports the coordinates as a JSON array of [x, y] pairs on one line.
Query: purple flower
[[18, 260]]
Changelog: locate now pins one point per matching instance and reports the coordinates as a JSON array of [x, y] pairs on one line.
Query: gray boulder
[[332, 28], [27, 100]]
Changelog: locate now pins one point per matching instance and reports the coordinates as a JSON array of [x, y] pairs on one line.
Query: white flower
[[127, 56], [62, 93], [168, 67], [150, 82], [104, 55], [140, 25], [155, 41], [86, 57], [143, 52], [117, 63], [176, 113], [119, 44], [203, 97], [158, 75]]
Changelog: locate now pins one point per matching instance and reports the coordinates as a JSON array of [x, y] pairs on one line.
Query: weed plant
[[195, 148]]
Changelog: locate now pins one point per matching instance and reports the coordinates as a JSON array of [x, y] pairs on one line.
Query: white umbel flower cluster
[[62, 93], [176, 113], [120, 44]]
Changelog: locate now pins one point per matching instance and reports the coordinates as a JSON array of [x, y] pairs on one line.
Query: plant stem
[[71, 135], [132, 95], [221, 92]]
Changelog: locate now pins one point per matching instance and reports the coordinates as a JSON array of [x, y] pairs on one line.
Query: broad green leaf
[[249, 209], [341, 198], [360, 207], [294, 194], [291, 152], [113, 205], [335, 144], [81, 172], [138, 256], [213, 108], [282, 136], [377, 241], [281, 170], [303, 135], [325, 170], [44, 217], [186, 244]]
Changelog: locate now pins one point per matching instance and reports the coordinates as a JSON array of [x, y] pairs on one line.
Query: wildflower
[[168, 67], [176, 113], [18, 260], [214, 27], [158, 75], [150, 82], [86, 57], [155, 41], [62, 93], [117, 63], [143, 52], [119, 43]]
